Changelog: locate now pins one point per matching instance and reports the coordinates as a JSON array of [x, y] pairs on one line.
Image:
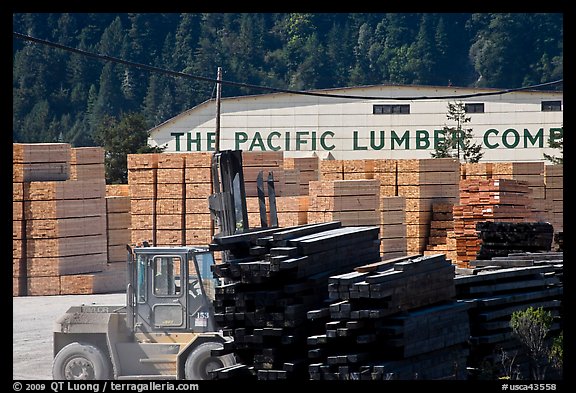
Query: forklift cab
[[171, 289]]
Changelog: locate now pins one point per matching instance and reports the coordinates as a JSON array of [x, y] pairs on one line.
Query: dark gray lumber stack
[[273, 278], [397, 321], [502, 238], [495, 291]]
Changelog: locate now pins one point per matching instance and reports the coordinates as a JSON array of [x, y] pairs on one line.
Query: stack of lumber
[[392, 227], [442, 238], [502, 238], [386, 171], [554, 180], [274, 277], [352, 202], [532, 174], [60, 231], [476, 170], [270, 161], [395, 319], [358, 169], [307, 168], [331, 170], [487, 200], [142, 181], [423, 182], [198, 187], [494, 292], [170, 200], [291, 211], [118, 224]]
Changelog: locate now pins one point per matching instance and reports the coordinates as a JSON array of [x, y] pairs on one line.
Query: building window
[[474, 108], [551, 106], [391, 109]]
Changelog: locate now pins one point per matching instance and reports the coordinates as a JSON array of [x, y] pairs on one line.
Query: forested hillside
[[62, 96]]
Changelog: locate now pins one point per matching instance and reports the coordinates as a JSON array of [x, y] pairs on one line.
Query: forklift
[[166, 329]]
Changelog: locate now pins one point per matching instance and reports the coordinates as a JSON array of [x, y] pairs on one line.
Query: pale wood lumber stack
[[423, 182], [60, 228], [269, 161], [352, 202], [307, 170], [392, 227]]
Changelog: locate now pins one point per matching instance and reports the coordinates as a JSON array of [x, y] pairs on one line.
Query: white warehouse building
[[406, 122]]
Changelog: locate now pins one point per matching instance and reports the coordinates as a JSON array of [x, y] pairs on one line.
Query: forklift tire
[[80, 362], [200, 361]]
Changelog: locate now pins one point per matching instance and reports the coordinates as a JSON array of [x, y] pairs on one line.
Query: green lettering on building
[[515, 138], [395, 139], [323, 140], [422, 139], [533, 140], [380, 144], [197, 141], [177, 136], [269, 140], [487, 141], [239, 138], [355, 139], [299, 140]]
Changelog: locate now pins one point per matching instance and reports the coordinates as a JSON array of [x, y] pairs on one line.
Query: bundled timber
[[395, 319], [442, 238], [554, 200], [502, 238], [275, 276], [487, 200], [352, 202], [424, 182], [303, 171], [392, 227], [268, 162], [60, 216], [494, 289]]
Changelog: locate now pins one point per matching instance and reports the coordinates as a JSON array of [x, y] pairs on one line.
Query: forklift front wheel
[[80, 362], [200, 361]]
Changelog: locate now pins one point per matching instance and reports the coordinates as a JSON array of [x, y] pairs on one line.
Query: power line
[[266, 88]]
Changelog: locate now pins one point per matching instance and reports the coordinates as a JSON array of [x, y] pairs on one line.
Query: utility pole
[[218, 97]]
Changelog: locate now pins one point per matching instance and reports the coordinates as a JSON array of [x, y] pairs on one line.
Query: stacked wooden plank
[[291, 211], [487, 200], [502, 238], [307, 168], [358, 169], [331, 170], [442, 238], [554, 200], [118, 223], [532, 173], [494, 292], [423, 182], [386, 171], [142, 180], [198, 187], [62, 223], [40, 162], [352, 202], [392, 227], [270, 161], [392, 320], [170, 200], [275, 276]]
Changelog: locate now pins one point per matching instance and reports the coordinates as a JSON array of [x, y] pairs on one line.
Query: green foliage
[[531, 326], [457, 142], [120, 138], [61, 94], [556, 144]]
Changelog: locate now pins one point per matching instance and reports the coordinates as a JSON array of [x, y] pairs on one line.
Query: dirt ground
[[33, 324]]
